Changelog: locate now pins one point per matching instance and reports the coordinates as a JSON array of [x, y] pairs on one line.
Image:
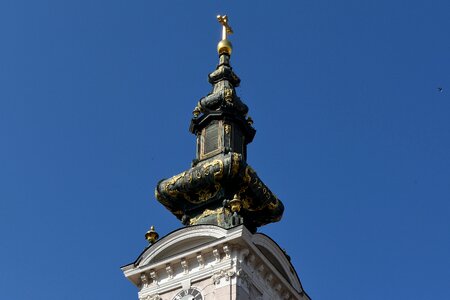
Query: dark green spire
[[221, 188]]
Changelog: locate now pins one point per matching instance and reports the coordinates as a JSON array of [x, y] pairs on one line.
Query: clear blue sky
[[352, 134]]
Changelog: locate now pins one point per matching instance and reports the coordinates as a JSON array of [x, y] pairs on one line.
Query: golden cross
[[225, 26]]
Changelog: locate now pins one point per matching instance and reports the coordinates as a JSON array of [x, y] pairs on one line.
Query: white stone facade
[[220, 263]]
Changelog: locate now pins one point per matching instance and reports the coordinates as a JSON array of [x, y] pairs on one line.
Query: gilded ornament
[[206, 171], [246, 203], [226, 29], [178, 212], [206, 213], [235, 204], [161, 198], [228, 95], [247, 178], [189, 178], [235, 164], [224, 45], [204, 195], [227, 128], [196, 112], [219, 173], [275, 205], [152, 236], [185, 196], [171, 182]]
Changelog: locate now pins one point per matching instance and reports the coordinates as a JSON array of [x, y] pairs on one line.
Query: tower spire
[[221, 188]]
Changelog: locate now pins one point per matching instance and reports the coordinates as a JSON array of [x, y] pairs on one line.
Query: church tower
[[221, 202]]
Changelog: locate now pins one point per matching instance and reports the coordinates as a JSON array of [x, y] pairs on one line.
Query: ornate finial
[[225, 26], [224, 45], [236, 204], [197, 111], [152, 236]]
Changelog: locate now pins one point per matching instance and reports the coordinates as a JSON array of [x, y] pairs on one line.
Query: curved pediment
[[180, 241], [278, 258]]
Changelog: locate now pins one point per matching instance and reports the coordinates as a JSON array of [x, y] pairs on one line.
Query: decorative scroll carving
[[226, 274]]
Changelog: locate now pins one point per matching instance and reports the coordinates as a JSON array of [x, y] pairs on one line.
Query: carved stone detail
[[286, 295], [154, 276], [261, 269], [227, 251], [169, 271], [144, 280], [216, 254], [251, 259], [201, 262], [277, 287], [227, 274], [244, 278], [227, 128], [185, 266], [151, 297], [243, 254]]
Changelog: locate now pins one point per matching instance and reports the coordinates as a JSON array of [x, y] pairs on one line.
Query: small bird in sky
[[440, 89]]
